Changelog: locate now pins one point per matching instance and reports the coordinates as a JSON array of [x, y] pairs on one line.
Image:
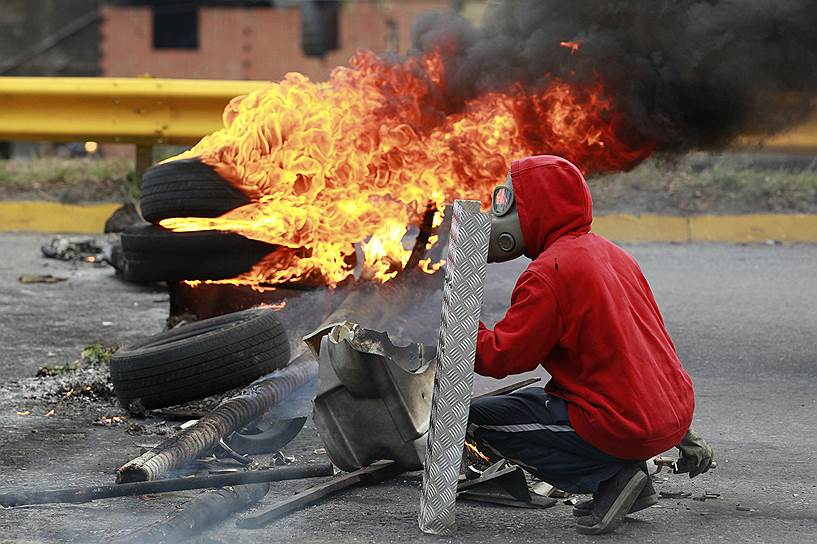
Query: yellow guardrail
[[127, 110], [178, 111]]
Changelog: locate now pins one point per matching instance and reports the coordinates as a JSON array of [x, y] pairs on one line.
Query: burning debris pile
[[358, 159], [78, 248], [337, 171]]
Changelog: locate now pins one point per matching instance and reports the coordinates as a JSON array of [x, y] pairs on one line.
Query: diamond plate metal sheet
[[456, 350]]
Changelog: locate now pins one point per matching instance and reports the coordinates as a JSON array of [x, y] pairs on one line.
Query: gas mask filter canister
[[506, 241]]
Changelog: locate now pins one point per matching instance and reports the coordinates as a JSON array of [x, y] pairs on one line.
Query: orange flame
[[357, 159], [272, 306], [473, 449], [573, 46]]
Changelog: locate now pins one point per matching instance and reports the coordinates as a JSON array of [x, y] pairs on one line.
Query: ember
[[276, 306], [111, 421], [573, 46], [357, 159]]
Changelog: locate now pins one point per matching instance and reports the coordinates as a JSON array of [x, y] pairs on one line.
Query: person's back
[[614, 362], [584, 311]]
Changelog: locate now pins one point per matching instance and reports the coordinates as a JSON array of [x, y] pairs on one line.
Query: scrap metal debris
[[369, 475], [280, 459], [502, 484], [674, 494], [374, 397], [196, 441], [76, 248], [545, 489]]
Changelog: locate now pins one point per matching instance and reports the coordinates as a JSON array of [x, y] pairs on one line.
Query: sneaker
[[613, 500], [647, 498]]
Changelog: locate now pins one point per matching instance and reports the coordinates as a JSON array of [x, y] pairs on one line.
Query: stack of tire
[[214, 355], [186, 188]]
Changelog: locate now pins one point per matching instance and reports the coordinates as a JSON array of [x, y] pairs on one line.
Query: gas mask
[[506, 241]]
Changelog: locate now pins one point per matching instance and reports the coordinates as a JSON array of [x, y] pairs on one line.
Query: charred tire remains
[[266, 438], [186, 188], [151, 253], [201, 359]]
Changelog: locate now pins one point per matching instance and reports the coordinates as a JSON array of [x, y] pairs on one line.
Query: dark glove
[[696, 455]]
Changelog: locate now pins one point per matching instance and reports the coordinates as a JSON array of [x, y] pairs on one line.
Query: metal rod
[[372, 474], [88, 494]]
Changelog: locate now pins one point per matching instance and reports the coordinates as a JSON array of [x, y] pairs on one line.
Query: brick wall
[[249, 43]]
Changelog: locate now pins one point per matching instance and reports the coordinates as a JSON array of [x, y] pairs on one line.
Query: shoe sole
[[639, 505], [615, 514]]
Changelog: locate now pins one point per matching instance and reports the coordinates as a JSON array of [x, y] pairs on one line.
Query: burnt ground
[[743, 317]]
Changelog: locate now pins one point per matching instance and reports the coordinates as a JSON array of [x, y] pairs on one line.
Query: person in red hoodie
[[583, 310]]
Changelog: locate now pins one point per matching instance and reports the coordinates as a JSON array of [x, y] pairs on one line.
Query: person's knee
[[478, 412]]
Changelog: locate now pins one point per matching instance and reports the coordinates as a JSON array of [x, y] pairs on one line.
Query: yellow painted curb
[[754, 228], [642, 228], [54, 217], [751, 228]]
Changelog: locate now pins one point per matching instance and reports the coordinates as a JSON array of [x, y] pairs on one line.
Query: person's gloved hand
[[696, 455]]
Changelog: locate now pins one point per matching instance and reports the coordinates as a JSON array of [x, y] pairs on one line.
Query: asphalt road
[[744, 319]]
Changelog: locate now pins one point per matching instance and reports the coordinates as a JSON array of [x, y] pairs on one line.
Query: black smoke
[[689, 74]]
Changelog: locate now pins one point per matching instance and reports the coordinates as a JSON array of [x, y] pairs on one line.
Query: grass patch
[[717, 186], [95, 355], [69, 180]]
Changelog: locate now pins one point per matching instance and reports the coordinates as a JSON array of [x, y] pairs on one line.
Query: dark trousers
[[531, 428]]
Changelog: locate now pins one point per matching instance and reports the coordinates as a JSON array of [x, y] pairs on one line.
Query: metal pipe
[[88, 494], [232, 415], [197, 515]]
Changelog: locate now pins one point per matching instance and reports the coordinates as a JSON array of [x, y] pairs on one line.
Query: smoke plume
[[689, 74]]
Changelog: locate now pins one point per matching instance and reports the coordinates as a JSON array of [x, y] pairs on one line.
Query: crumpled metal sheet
[[456, 350], [374, 398]]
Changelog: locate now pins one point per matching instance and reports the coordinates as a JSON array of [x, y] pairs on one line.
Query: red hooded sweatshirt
[[584, 311]]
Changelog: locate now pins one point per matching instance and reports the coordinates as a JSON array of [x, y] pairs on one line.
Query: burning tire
[[186, 188], [151, 253], [201, 359]]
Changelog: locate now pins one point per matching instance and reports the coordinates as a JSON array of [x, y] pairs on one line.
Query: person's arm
[[524, 337]]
